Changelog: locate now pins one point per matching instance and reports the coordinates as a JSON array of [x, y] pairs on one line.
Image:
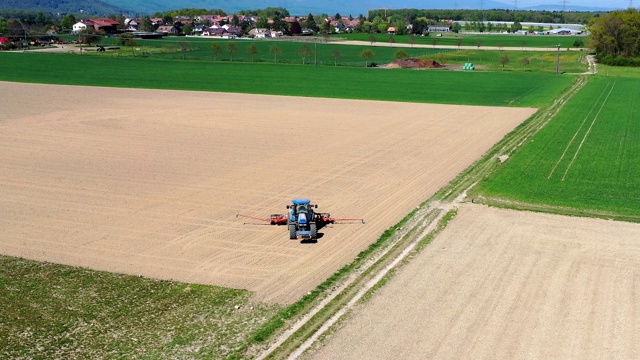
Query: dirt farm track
[[148, 182]]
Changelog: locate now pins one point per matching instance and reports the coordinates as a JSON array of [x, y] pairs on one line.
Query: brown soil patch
[[414, 63], [501, 284], [149, 182]]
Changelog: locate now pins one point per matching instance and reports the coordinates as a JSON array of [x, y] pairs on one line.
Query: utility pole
[[558, 61]]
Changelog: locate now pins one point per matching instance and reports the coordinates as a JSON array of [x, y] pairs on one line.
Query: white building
[[79, 26]]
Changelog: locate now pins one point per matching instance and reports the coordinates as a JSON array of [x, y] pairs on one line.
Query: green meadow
[[586, 158], [61, 312], [432, 86], [451, 39]]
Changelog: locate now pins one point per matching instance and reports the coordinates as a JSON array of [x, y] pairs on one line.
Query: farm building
[[441, 28]]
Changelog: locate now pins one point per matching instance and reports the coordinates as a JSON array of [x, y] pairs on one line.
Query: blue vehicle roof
[[301, 201]]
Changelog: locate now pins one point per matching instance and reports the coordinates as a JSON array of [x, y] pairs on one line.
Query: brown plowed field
[[148, 182], [501, 284]]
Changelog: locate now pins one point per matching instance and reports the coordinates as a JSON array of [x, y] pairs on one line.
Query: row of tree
[[409, 15]]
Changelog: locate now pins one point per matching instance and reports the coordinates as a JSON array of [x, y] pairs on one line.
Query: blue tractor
[[302, 220]]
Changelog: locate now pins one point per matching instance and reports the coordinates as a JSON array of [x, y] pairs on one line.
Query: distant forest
[[555, 17]]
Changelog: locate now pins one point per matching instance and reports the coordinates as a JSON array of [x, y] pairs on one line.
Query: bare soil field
[[149, 182], [503, 284]]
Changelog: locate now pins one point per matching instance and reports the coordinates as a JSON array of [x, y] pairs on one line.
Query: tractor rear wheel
[[314, 231], [292, 231]]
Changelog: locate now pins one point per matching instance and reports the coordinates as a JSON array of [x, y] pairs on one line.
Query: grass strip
[[56, 311]]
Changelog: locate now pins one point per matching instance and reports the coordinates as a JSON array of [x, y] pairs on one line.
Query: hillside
[[94, 7]]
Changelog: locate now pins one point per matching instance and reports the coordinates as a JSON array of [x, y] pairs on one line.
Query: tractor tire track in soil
[[148, 182]]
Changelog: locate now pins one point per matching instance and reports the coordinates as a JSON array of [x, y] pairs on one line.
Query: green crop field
[[200, 48], [587, 158], [437, 86], [506, 40]]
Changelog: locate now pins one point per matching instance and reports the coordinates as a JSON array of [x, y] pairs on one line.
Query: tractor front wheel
[[292, 231]]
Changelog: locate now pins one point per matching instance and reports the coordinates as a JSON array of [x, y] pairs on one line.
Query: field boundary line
[[575, 134], [588, 132]]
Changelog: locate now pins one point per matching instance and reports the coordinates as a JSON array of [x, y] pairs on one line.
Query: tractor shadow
[[312, 241]]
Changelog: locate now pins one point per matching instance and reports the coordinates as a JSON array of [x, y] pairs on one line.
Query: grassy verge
[[54, 311], [521, 61]]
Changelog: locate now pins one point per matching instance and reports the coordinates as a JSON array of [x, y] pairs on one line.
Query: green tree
[[145, 24], [186, 29], [232, 48], [275, 50], [40, 19], [305, 52], [456, 27], [372, 39], [516, 26], [311, 23], [217, 49], [336, 55], [578, 43], [504, 60], [458, 43], [441, 57], [68, 21], [90, 36], [525, 61], [434, 42], [400, 54], [367, 55], [252, 50], [523, 44], [392, 40], [478, 43], [127, 39]]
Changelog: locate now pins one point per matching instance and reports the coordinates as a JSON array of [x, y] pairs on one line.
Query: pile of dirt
[[415, 63]]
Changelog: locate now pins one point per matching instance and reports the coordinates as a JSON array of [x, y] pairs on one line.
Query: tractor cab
[[301, 210]]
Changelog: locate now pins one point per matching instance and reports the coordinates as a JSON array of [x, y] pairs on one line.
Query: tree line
[[543, 16], [616, 37]]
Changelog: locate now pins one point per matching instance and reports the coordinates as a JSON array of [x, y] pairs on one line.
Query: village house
[[168, 30]]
